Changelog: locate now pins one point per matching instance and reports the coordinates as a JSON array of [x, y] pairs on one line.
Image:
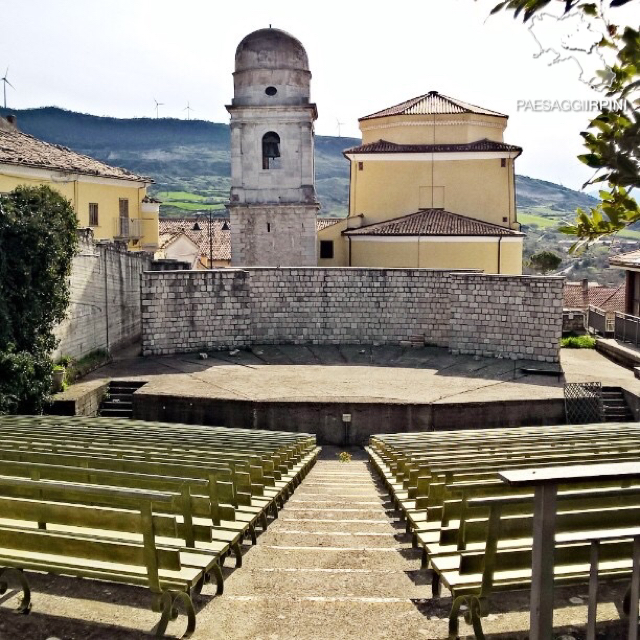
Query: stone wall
[[193, 310], [517, 317], [104, 312]]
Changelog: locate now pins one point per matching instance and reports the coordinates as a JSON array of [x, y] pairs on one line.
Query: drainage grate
[[583, 402]]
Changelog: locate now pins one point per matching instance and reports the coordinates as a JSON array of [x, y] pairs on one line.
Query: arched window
[[271, 150]]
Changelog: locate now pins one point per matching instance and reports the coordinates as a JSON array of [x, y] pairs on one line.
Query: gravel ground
[[336, 564]]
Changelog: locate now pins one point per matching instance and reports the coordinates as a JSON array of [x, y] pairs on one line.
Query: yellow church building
[[432, 186], [111, 201]]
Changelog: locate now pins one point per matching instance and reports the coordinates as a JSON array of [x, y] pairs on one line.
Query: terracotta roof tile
[[17, 148], [605, 298], [433, 222], [630, 259], [169, 227], [221, 240], [384, 146], [432, 103]]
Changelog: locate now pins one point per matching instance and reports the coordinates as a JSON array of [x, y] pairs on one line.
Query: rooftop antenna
[[188, 109], [339, 125], [5, 82], [158, 105]]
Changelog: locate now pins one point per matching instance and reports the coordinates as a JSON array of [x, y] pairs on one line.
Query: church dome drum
[[271, 68]]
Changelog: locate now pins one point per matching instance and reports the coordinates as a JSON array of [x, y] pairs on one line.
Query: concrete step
[[324, 581], [116, 413]]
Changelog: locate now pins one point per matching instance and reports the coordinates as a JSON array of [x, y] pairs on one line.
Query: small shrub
[[578, 342], [77, 369], [344, 456]]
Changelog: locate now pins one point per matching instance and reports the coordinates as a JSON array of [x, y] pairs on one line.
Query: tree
[[544, 261], [37, 245], [613, 139]]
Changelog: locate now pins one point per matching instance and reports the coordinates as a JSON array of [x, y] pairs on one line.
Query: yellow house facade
[[110, 200], [432, 185]]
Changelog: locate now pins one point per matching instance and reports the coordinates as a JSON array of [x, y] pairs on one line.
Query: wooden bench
[[477, 532], [123, 544], [136, 490]]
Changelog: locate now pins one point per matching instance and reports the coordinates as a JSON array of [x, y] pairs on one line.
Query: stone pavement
[[355, 373]]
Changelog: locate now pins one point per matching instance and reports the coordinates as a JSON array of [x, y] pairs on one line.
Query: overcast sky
[[114, 57]]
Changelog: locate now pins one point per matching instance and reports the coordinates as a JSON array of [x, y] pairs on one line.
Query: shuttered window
[[93, 214]]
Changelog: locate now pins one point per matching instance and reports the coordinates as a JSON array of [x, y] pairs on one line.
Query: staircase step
[[117, 404], [116, 413]]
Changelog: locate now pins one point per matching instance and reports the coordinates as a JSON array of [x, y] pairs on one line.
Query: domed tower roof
[[271, 49]]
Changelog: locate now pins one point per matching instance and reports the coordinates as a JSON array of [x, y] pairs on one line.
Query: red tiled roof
[[17, 148], [323, 223], [384, 146], [221, 238], [605, 298], [630, 259], [432, 103], [432, 222]]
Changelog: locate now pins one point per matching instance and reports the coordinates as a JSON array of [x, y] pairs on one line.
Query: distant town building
[[273, 204], [432, 185], [196, 229], [113, 202], [630, 262]]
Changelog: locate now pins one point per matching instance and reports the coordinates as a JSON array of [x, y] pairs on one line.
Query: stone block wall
[[194, 310], [104, 309], [185, 311], [503, 316], [517, 317]]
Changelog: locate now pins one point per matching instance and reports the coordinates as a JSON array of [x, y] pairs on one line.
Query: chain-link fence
[[583, 402]]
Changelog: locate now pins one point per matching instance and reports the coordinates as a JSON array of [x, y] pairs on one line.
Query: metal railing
[[597, 321], [125, 228], [627, 328]]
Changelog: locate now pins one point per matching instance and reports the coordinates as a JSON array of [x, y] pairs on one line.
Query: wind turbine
[[188, 109], [339, 125], [158, 105], [6, 82]]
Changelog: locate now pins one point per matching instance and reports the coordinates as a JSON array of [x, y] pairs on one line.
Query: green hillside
[[190, 163]]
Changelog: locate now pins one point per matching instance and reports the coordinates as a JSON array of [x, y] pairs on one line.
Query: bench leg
[[166, 603], [216, 570], [425, 559], [436, 586], [252, 534], [264, 521], [237, 551], [472, 616], [25, 604]]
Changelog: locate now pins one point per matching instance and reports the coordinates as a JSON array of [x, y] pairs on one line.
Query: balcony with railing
[[127, 229]]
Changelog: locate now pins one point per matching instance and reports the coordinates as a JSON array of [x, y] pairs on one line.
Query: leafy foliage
[[613, 138], [545, 261], [37, 244], [578, 342]]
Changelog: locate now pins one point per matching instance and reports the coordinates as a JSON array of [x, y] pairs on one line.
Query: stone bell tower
[[273, 200]]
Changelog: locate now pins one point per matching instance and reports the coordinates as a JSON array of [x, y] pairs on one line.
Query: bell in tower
[[273, 200]]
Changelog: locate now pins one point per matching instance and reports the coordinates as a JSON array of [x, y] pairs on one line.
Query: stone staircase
[[118, 403], [615, 407]]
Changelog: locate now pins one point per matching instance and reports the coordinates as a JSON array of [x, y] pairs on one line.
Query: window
[[503, 162], [360, 166], [326, 249], [271, 91], [123, 227], [268, 227], [93, 214], [271, 150]]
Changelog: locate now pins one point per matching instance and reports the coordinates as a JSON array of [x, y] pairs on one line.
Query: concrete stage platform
[[384, 388]]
